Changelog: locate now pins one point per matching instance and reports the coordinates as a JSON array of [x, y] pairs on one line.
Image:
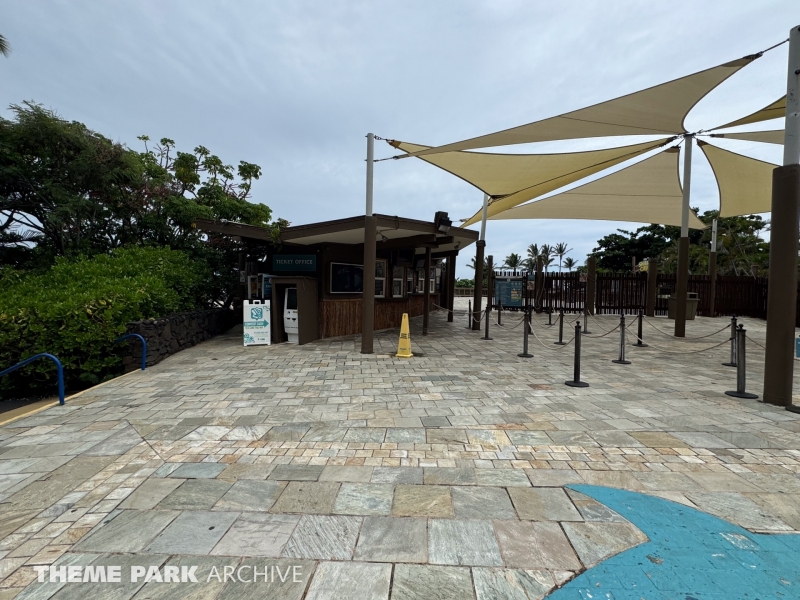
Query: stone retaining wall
[[174, 333]]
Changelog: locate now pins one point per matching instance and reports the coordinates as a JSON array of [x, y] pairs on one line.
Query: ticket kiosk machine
[[290, 323]]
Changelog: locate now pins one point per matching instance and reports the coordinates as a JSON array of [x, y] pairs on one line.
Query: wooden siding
[[343, 316]]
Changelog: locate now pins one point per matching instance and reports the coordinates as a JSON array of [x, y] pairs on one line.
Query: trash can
[[692, 301]]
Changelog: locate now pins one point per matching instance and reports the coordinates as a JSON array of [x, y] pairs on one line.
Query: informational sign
[[294, 262], [266, 287], [797, 348], [508, 292], [257, 328]]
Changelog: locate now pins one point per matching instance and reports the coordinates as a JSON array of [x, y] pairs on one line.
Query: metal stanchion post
[[621, 360], [639, 343], [469, 315], [732, 363], [500, 315], [486, 333], [550, 316], [560, 341], [525, 326], [586, 321], [576, 377], [741, 375]]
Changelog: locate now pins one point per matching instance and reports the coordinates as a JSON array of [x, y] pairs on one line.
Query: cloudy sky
[[295, 86]]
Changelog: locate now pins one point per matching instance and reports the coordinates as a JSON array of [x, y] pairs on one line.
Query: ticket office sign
[[257, 329]]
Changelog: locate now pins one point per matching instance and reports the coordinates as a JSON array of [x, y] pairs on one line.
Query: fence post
[[732, 362], [621, 360], [639, 343], [576, 377], [741, 374], [486, 333], [525, 325], [469, 315], [560, 341]]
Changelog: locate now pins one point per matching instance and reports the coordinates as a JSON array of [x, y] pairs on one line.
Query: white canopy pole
[[483, 216], [683, 248], [791, 141], [368, 290]]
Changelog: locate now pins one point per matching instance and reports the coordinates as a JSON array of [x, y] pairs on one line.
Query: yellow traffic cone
[[404, 346]]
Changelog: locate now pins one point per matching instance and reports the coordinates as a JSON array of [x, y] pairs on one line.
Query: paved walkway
[[465, 472]]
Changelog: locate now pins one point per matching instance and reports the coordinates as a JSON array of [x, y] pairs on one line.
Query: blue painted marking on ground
[[691, 555]]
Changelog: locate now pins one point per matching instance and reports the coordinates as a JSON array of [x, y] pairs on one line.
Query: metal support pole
[[732, 362], [370, 233], [621, 360], [741, 374], [712, 271], [500, 315], [560, 341], [525, 326], [550, 316], [639, 338], [586, 321], [469, 315], [683, 247], [782, 289], [451, 286], [477, 295], [426, 290], [576, 377], [486, 332], [591, 283]]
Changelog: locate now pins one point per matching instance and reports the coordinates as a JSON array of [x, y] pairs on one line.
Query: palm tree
[[530, 262], [570, 263], [5, 47], [560, 251], [546, 252], [513, 261]]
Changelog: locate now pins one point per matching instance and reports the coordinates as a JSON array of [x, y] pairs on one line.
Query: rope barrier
[[572, 339], [686, 338], [652, 345]]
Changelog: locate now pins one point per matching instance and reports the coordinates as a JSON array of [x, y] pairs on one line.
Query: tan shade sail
[[776, 110], [647, 192], [511, 179], [768, 137], [745, 184], [654, 111]]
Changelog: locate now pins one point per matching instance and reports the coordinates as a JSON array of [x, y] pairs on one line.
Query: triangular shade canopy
[[654, 111], [745, 184], [776, 110], [775, 136], [647, 192], [511, 179]]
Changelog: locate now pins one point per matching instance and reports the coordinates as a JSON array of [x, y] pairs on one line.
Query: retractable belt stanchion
[[621, 360], [732, 363], [576, 377], [639, 343], [741, 375], [525, 325], [486, 332], [560, 341]]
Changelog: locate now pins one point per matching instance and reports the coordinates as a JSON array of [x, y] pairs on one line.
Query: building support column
[[682, 276], [426, 301], [652, 287], [782, 292], [712, 271], [489, 282], [451, 286], [370, 233], [591, 284]]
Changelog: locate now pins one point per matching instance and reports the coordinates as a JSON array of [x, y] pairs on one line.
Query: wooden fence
[[617, 293]]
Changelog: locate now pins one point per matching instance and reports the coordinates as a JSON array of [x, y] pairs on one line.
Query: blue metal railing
[[144, 346], [35, 357]]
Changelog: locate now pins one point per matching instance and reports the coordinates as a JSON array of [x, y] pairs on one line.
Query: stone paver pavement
[[337, 475]]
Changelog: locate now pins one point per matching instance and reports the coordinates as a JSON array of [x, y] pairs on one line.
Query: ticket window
[[397, 282], [290, 315]]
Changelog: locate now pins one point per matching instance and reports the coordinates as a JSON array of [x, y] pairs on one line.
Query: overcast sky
[[294, 86]]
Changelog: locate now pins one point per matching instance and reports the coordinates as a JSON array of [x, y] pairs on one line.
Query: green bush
[[76, 309]]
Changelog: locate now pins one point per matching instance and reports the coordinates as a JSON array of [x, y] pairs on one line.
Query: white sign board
[[256, 320]]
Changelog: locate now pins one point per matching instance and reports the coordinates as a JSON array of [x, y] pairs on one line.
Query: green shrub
[[78, 308]]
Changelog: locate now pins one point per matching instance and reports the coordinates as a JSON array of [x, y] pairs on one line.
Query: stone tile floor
[[442, 476]]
